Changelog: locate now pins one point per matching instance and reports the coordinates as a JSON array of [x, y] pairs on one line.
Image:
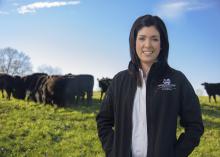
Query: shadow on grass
[[81, 107], [209, 124], [211, 111], [211, 116], [86, 108]]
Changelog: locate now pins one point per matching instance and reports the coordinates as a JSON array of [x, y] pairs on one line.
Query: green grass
[[36, 130], [210, 141]]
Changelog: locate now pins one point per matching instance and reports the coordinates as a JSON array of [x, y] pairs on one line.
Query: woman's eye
[[141, 39], [155, 39]]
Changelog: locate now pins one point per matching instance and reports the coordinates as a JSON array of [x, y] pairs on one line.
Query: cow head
[[104, 83], [204, 84]]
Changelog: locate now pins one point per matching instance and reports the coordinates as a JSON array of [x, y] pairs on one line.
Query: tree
[[49, 70], [14, 62]]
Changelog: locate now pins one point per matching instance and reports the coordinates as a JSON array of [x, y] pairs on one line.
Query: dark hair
[[147, 20]]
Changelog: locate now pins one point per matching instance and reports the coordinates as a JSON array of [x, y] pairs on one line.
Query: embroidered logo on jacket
[[166, 85]]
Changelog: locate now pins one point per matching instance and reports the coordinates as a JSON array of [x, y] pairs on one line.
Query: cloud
[[31, 8], [178, 8]]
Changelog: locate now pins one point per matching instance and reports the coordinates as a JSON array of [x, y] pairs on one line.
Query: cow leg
[[77, 99], [40, 95], [8, 94], [209, 98], [32, 96], [83, 97], [74, 99], [2, 93], [43, 99], [89, 97], [101, 95], [40, 98], [36, 97], [214, 96], [29, 97]]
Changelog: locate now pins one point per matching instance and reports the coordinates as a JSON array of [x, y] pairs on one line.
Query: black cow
[[85, 83], [79, 86], [19, 88], [104, 84], [6, 83], [50, 92], [66, 90], [59, 90], [212, 89], [30, 82], [36, 94]]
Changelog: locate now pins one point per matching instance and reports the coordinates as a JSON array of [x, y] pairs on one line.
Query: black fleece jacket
[[169, 96]]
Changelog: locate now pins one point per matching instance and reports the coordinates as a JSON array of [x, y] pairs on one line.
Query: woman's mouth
[[147, 52]]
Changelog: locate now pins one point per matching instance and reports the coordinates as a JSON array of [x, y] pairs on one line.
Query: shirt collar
[[142, 74]]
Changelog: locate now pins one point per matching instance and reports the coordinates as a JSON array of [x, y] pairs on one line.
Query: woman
[[138, 116]]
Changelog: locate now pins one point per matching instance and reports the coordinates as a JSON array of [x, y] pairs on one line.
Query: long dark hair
[[147, 20]]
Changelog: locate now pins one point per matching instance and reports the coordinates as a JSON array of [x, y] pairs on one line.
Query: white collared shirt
[[139, 121]]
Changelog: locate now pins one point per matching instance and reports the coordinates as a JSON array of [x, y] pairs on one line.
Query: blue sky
[[91, 36]]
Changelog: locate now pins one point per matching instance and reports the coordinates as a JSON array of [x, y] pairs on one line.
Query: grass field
[[36, 130]]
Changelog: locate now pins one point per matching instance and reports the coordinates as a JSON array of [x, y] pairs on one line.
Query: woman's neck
[[146, 67]]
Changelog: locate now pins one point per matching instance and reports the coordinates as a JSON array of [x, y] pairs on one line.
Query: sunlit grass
[[30, 129]]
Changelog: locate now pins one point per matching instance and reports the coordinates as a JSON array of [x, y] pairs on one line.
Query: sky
[[91, 36]]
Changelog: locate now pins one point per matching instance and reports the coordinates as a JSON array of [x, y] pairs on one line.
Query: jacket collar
[[157, 70]]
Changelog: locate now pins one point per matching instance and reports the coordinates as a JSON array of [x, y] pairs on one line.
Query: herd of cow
[[63, 90]]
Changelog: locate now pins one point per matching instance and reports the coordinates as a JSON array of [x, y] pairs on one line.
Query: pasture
[[37, 130]]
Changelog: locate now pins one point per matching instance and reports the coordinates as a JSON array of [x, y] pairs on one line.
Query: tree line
[[14, 62]]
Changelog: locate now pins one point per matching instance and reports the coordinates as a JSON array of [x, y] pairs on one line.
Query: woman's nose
[[147, 43]]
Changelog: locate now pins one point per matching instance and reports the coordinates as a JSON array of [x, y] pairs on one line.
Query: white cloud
[[178, 8], [30, 8], [173, 9]]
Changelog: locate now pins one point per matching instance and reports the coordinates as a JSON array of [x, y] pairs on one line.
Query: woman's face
[[148, 45]]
